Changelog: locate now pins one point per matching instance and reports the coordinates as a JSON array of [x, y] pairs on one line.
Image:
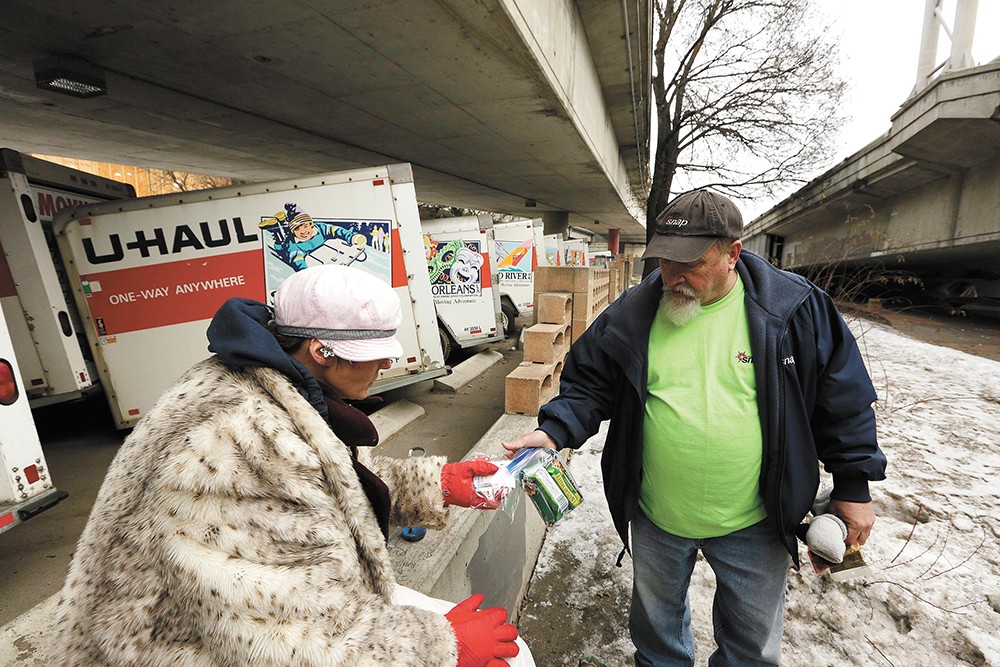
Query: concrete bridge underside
[[517, 106], [923, 199]]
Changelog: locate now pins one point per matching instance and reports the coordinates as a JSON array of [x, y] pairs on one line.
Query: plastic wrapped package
[[541, 475]]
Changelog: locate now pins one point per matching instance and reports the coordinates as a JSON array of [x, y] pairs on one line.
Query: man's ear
[[734, 252]]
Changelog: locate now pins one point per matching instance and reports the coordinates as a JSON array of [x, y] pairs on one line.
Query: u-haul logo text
[[168, 242]]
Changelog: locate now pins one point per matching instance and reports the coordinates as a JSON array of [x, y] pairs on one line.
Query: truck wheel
[[446, 344], [507, 316]]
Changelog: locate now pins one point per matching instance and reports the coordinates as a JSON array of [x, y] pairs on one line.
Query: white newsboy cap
[[352, 312]]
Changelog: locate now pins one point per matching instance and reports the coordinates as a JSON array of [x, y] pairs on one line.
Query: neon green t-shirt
[[702, 444]]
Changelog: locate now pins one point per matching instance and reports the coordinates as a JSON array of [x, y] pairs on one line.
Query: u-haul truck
[[518, 247], [54, 361], [565, 252], [148, 274], [463, 280], [25, 486]]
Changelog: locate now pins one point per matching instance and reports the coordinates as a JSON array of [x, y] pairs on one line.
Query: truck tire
[[508, 314], [447, 347]]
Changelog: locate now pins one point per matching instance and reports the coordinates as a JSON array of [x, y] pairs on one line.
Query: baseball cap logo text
[[663, 225]]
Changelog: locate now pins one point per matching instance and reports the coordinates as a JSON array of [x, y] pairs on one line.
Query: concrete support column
[[555, 222], [961, 37], [928, 45], [614, 239]]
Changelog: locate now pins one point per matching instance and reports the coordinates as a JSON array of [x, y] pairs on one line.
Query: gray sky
[[880, 45], [880, 42]]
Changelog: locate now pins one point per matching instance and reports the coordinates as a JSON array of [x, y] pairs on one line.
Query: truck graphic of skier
[[300, 241]]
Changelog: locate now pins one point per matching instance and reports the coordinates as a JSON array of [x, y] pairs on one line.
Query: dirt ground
[[454, 423], [974, 335]]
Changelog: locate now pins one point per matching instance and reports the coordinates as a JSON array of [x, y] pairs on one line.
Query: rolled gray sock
[[826, 536]]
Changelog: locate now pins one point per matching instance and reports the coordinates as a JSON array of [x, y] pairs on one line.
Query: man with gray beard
[[727, 382]]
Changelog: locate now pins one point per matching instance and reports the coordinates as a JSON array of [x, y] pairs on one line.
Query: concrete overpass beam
[[555, 222], [556, 37]]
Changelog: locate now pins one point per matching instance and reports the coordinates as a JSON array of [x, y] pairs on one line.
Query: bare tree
[[167, 180], [747, 96]]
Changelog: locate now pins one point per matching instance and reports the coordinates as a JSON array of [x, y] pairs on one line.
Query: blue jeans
[[751, 567]]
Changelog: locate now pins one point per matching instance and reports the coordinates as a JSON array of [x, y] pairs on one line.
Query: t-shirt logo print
[[744, 358]]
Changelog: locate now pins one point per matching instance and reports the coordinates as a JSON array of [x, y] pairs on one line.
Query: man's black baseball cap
[[691, 223]]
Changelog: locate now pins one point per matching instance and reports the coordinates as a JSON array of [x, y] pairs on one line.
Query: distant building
[[145, 180]]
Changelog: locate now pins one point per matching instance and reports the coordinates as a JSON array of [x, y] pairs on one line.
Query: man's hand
[[859, 518], [534, 439]]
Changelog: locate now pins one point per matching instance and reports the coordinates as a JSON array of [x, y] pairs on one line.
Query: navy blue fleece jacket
[[814, 395]]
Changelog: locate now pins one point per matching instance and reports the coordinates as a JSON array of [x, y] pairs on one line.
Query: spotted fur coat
[[232, 530]]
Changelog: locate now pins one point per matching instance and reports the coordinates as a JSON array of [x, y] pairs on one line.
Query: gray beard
[[678, 310]]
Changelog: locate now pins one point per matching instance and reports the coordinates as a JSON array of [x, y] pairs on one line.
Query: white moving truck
[[54, 359], [148, 274], [25, 486], [463, 281], [518, 247]]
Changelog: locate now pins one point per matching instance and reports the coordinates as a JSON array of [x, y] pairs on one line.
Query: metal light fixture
[[70, 76]]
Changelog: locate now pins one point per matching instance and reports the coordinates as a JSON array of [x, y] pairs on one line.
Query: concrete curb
[[466, 371], [25, 641], [392, 418]]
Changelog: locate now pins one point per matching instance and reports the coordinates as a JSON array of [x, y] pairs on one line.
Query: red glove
[[482, 635], [456, 484]]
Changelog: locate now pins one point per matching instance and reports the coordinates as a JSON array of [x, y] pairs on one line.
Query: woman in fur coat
[[236, 526]]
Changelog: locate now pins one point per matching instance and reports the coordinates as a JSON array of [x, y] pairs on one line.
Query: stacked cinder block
[[530, 386], [567, 299], [620, 275], [590, 290], [536, 380]]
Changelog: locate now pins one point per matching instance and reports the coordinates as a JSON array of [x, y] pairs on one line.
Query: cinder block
[[577, 329], [589, 305], [562, 279], [599, 277], [530, 386], [554, 307], [546, 343]]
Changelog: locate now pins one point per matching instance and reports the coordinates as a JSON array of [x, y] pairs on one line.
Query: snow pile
[[933, 595]]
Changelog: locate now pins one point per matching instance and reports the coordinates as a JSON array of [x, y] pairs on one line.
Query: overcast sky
[[880, 45]]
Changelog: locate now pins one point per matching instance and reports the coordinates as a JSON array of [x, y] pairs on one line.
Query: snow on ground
[[932, 598]]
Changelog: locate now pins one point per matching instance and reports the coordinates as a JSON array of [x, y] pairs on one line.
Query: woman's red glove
[[456, 484], [483, 636]]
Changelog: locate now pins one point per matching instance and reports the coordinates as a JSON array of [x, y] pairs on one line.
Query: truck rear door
[[25, 486], [150, 274], [462, 278], [41, 316]]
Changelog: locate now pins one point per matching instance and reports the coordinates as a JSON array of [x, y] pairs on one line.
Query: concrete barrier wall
[[478, 551]]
